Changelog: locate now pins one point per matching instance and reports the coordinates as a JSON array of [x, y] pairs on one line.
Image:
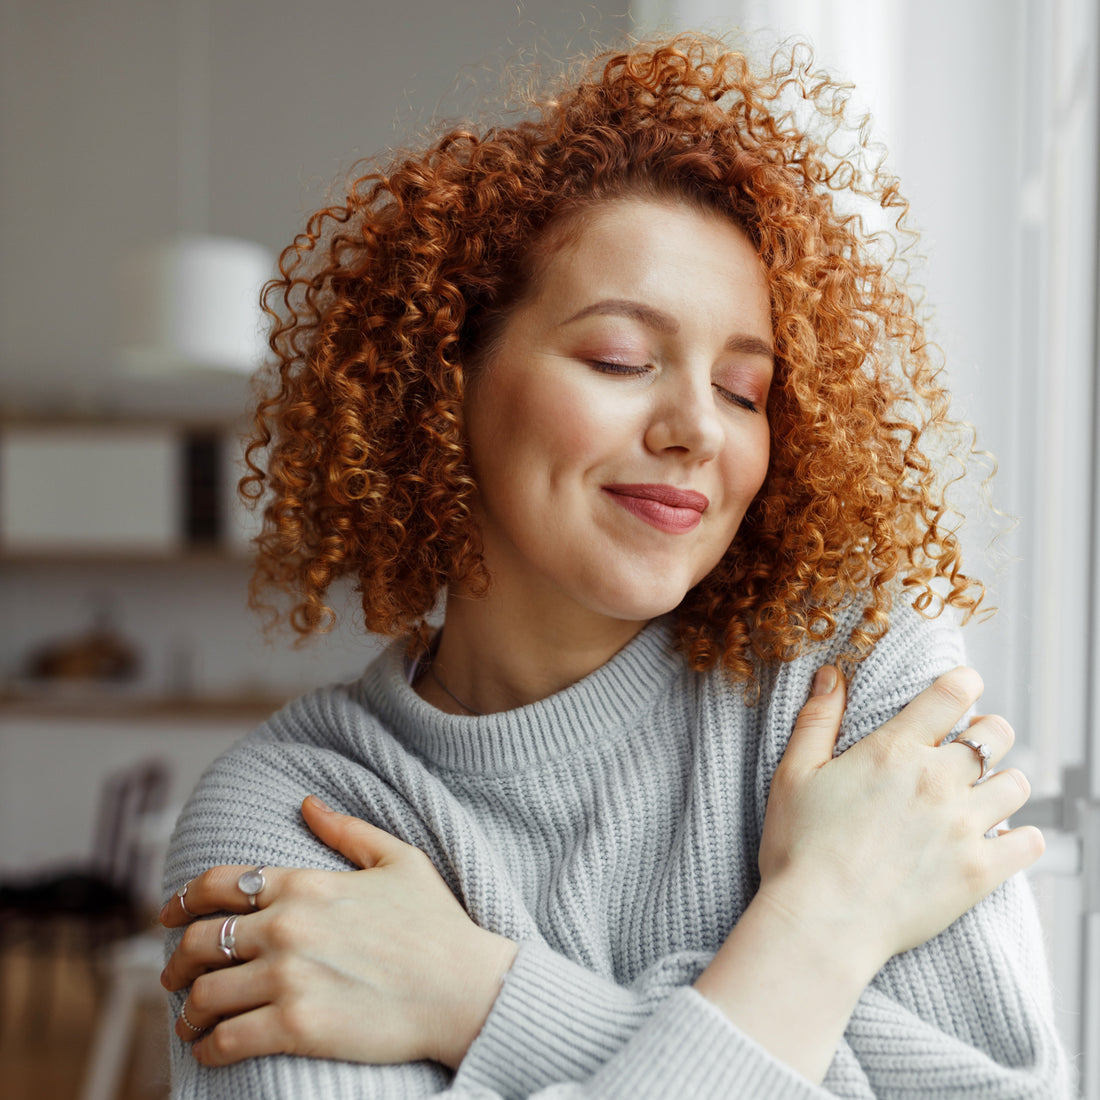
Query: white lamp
[[193, 302]]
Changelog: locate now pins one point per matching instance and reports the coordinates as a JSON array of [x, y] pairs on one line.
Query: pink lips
[[662, 506]]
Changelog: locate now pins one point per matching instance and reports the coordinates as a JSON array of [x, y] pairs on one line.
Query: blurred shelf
[[198, 555], [94, 702], [108, 492]]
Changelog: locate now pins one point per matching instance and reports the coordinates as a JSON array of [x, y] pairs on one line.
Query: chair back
[[129, 799]]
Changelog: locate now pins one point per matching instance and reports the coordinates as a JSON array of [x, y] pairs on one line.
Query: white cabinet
[[121, 489], [91, 489]]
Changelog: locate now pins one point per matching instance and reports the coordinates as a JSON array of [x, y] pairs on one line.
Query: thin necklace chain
[[465, 706]]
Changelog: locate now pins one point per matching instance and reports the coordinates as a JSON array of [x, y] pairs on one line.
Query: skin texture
[[643, 357], [835, 903], [362, 463], [668, 385]]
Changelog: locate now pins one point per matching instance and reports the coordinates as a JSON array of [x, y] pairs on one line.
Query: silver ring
[[227, 939], [983, 752], [181, 893], [251, 883], [187, 1022]]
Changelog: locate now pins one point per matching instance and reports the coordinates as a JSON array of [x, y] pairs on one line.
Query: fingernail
[[825, 680], [163, 912], [322, 805]]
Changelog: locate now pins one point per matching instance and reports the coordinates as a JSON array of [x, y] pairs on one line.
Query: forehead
[[670, 254]]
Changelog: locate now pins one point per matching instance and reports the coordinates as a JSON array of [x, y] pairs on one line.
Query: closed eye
[[737, 399], [606, 367], [618, 368]]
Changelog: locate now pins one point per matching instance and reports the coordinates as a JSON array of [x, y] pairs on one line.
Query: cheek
[[748, 464], [550, 428]]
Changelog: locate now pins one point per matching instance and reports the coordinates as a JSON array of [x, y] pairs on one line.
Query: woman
[[623, 383]]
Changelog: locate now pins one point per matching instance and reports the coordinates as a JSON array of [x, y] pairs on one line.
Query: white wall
[[91, 121]]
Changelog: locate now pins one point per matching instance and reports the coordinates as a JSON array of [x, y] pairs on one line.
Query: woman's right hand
[[887, 843], [378, 965]]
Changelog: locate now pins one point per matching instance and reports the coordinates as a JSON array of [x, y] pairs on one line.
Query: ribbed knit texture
[[612, 831]]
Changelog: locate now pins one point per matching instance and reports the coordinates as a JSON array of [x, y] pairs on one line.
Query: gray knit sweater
[[612, 830]]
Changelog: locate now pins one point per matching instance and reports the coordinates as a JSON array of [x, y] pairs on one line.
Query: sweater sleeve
[[966, 1013], [557, 1030], [970, 1011]]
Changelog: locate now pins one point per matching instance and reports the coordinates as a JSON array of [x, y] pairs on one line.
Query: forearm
[[789, 982], [478, 983], [557, 1026]]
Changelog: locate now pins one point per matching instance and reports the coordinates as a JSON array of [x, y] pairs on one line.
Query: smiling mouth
[[675, 511]]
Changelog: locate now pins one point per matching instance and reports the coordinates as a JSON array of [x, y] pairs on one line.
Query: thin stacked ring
[[227, 939]]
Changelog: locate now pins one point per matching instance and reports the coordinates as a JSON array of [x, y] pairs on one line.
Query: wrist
[[787, 981], [479, 980], [823, 922]]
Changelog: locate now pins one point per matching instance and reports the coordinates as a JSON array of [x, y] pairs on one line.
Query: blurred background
[[156, 156]]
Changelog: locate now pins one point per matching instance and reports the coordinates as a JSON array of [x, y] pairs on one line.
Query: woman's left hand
[[378, 965]]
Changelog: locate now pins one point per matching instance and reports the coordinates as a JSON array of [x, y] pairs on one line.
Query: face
[[619, 432]]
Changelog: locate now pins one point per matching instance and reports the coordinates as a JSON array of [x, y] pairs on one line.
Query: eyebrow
[[662, 322]]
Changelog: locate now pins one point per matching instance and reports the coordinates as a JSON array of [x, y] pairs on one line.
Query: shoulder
[[913, 652], [330, 743]]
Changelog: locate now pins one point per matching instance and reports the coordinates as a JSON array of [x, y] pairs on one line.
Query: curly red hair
[[387, 302]]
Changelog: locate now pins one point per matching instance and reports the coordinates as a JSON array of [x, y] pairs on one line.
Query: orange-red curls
[[386, 304]]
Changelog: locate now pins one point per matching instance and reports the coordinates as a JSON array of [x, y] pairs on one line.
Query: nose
[[685, 419]]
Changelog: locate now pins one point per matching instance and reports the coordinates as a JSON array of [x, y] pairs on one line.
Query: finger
[[815, 730], [1013, 851], [185, 1029], [1000, 857], [248, 1035], [994, 731], [221, 994], [216, 891], [200, 950], [364, 844], [178, 901], [1000, 796], [984, 745], [937, 709]]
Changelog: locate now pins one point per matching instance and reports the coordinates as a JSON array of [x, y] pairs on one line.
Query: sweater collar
[[610, 698]]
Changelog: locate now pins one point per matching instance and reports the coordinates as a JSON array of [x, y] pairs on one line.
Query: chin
[[641, 606], [638, 595]]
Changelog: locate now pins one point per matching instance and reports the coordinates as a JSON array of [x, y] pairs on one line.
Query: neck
[[494, 660]]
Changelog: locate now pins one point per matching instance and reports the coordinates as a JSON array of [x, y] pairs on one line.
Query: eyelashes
[[632, 370], [605, 367], [737, 399]]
